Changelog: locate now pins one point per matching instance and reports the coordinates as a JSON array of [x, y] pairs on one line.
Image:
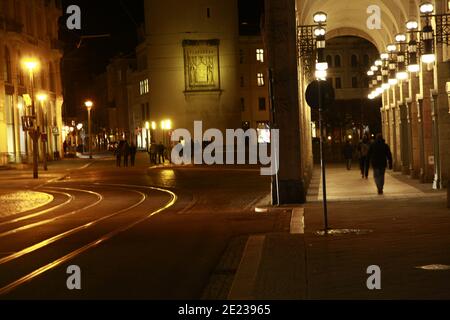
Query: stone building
[[29, 29]]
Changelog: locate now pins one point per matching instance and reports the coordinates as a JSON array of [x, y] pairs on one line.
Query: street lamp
[[31, 65], [89, 104], [42, 97], [413, 63], [401, 58]]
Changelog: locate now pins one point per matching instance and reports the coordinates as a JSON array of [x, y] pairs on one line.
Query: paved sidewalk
[[405, 233], [345, 185]]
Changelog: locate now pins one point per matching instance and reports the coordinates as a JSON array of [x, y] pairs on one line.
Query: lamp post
[[42, 98], [320, 18], [89, 104], [31, 65], [147, 128]]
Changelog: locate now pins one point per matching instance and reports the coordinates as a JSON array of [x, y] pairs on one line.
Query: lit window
[[260, 55], [261, 80], [144, 87]]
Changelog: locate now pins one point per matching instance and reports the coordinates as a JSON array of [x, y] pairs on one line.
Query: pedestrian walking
[[380, 157], [126, 153], [118, 154], [348, 154], [65, 146], [363, 151], [133, 151], [160, 156]]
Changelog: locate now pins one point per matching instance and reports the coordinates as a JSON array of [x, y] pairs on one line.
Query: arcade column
[[281, 44]]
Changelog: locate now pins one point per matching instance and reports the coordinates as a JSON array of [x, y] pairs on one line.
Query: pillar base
[[291, 192]]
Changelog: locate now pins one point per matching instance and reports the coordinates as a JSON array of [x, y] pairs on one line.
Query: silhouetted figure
[[118, 153], [348, 154], [363, 150], [126, 153], [133, 151], [65, 146], [160, 156], [380, 157]]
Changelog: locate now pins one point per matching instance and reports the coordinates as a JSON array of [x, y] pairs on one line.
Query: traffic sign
[[326, 92]]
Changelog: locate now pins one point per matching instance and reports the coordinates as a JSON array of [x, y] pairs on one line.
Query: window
[[7, 69], [242, 104], [262, 104], [354, 61], [260, 55], [366, 60], [330, 61], [144, 87], [261, 82], [354, 82], [338, 83], [337, 61]]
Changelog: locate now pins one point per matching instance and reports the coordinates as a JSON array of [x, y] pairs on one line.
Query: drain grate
[[337, 232], [435, 267]]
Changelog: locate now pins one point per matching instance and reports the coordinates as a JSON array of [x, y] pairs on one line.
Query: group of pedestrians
[[374, 153], [157, 153], [126, 152]]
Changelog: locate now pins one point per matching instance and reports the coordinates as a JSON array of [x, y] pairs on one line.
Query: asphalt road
[[135, 233]]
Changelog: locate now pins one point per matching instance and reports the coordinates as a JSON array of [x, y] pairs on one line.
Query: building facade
[[29, 30], [254, 83]]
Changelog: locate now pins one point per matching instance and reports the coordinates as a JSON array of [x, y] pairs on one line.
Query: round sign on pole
[[326, 92]]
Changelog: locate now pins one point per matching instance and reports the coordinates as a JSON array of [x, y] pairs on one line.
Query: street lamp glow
[[350, 136], [400, 37], [412, 25], [30, 64], [321, 75], [370, 73], [428, 58], [147, 125], [385, 86], [384, 56], [322, 66], [168, 125], [153, 125], [379, 90], [320, 17], [42, 97], [413, 68], [426, 8], [79, 126], [319, 32], [374, 68], [89, 104], [378, 63], [393, 81], [402, 75], [391, 48]]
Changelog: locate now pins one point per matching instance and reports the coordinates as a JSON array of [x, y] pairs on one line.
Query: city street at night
[[224, 158]]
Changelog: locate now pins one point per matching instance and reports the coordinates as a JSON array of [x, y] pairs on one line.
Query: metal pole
[[322, 163], [34, 131], [274, 123], [89, 139], [44, 142]]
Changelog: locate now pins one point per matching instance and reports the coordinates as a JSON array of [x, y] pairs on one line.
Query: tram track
[[92, 244]]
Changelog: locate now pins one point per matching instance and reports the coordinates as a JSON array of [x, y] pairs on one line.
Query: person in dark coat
[[126, 153], [161, 149], [380, 157], [133, 151], [348, 154], [363, 150], [118, 154]]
